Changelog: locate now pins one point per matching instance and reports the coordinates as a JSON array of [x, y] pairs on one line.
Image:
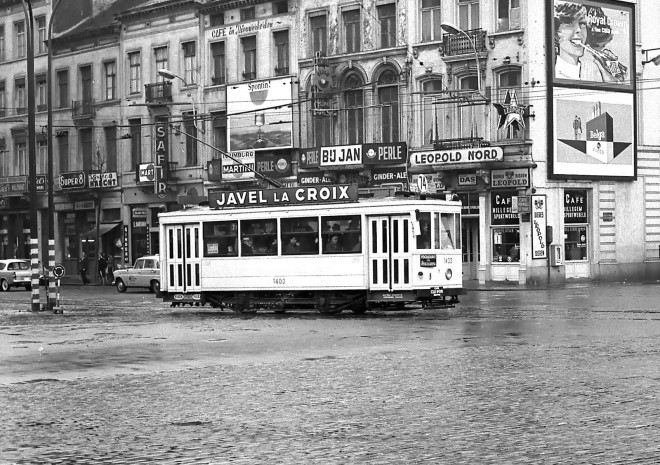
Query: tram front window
[[300, 236], [259, 237]]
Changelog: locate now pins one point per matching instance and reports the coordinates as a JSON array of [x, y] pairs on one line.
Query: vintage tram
[[313, 246]]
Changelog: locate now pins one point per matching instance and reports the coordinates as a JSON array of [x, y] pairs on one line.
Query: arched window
[[353, 106], [431, 124], [388, 98], [509, 82]]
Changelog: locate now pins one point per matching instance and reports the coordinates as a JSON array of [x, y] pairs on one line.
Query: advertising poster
[[593, 134], [539, 223], [259, 115], [592, 43], [238, 166]]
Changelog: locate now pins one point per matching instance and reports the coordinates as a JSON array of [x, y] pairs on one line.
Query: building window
[[249, 58], [42, 93], [20, 159], [135, 72], [41, 36], [576, 225], [470, 118], [21, 45], [136, 141], [430, 93], [42, 157], [20, 96], [3, 51], [86, 83], [217, 19], [387, 20], [189, 62], [87, 149], [162, 62], [218, 64], [219, 121], [353, 110], [324, 123], [63, 150], [431, 20], [281, 39], [508, 15], [280, 7], [509, 83], [352, 30], [247, 13], [110, 148], [3, 99], [110, 80], [191, 138], [506, 245], [63, 88], [319, 39], [468, 14], [388, 98]]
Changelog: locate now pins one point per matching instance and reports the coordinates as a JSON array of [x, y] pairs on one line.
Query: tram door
[[183, 258], [390, 258]]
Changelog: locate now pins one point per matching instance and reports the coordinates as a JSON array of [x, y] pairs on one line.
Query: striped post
[[50, 292], [34, 262]]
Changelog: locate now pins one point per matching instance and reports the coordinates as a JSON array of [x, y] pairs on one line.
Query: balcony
[[160, 92], [83, 109], [458, 44]]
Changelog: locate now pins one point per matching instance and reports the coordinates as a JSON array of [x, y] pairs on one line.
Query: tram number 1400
[[279, 280]]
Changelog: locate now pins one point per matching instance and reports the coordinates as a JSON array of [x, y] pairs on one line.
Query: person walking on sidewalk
[[103, 267], [82, 266]]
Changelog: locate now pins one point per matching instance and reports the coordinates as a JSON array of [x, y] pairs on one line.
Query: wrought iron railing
[[83, 109], [158, 92], [459, 44], [460, 143]]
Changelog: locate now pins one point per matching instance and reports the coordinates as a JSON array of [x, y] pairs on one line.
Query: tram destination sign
[[282, 197]]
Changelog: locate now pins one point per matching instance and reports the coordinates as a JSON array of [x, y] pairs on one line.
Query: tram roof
[[377, 205]]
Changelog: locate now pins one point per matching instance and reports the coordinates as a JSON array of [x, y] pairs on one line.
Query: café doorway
[[470, 243]]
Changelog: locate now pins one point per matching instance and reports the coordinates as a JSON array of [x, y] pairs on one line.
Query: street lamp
[[451, 29], [655, 60], [167, 74]]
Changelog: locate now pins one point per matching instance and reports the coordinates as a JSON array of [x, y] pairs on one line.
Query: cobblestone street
[[567, 375]]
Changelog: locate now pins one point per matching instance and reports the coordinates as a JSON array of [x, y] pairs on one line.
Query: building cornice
[[148, 10]]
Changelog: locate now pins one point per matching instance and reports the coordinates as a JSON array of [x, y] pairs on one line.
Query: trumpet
[[609, 61]]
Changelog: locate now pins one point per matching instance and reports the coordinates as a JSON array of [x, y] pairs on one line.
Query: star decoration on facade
[[511, 114]]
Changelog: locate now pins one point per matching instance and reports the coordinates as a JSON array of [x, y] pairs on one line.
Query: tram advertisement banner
[[259, 115], [283, 197]]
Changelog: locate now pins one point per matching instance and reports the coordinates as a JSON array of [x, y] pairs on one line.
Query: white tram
[[316, 246]]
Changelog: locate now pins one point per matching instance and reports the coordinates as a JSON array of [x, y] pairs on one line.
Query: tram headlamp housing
[[448, 274]]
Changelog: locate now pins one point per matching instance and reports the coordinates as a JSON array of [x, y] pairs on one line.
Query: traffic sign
[[58, 270], [422, 184]]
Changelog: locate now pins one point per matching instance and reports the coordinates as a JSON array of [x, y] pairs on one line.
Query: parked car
[[145, 273], [15, 272]]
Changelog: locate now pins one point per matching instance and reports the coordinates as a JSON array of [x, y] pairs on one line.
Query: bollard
[[56, 307]]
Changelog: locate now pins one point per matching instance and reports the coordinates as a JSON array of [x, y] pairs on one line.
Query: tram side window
[[259, 237], [300, 236], [341, 234], [221, 239], [424, 238]]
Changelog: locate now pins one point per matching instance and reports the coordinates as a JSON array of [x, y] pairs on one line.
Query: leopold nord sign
[[442, 157]]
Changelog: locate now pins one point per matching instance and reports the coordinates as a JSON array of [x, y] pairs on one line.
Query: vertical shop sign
[[126, 258], [539, 223], [162, 160]]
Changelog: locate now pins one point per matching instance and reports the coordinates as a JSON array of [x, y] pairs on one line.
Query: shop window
[[506, 245], [341, 234], [576, 225], [221, 239], [575, 242], [300, 236], [259, 237]]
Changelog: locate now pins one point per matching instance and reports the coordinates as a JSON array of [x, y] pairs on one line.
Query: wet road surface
[[567, 375]]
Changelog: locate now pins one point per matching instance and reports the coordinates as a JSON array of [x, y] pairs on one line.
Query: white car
[[145, 273], [15, 272]]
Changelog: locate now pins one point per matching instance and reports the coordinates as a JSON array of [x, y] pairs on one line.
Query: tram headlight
[[448, 274]]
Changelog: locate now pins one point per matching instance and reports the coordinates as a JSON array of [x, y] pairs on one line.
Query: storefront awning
[[104, 229]]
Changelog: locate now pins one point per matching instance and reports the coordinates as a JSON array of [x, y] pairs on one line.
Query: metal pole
[[32, 158], [50, 177]]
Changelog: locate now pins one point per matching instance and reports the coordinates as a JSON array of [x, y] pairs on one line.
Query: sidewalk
[[473, 285]]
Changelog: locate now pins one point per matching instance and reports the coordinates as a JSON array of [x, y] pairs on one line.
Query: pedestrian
[[82, 266], [111, 269], [103, 267]]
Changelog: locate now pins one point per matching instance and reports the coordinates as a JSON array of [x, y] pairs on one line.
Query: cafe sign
[[513, 177]]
